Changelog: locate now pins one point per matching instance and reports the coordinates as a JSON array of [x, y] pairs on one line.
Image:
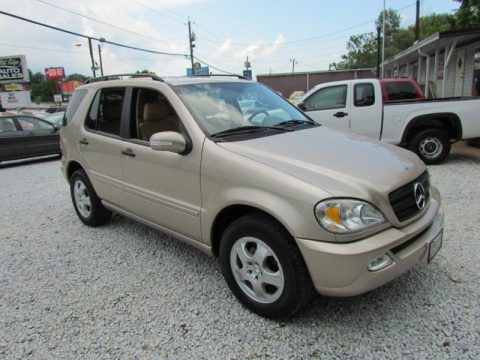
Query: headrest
[[112, 111], [155, 111]]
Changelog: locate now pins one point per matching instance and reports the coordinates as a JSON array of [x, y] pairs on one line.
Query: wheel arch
[[229, 214], [71, 168], [447, 121]]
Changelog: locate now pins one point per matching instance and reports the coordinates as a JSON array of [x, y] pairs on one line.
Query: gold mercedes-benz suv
[[230, 167]]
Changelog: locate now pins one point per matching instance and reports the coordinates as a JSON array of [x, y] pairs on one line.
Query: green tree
[[40, 87], [76, 76], [144, 71], [468, 14], [361, 53]]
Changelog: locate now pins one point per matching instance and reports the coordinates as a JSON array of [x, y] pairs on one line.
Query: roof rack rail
[[224, 75], [122, 76]]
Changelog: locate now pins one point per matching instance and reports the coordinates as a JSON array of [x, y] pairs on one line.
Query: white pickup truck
[[426, 127]]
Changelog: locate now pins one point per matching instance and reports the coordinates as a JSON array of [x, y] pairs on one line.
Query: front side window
[[32, 124], [7, 125], [364, 95], [222, 107], [106, 111], [151, 112], [334, 97]]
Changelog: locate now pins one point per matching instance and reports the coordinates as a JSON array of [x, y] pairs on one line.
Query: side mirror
[[302, 106], [168, 141]]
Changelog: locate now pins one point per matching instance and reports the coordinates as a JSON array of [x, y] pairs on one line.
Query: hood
[[339, 163]]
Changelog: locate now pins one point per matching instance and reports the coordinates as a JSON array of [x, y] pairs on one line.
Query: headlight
[[345, 216]]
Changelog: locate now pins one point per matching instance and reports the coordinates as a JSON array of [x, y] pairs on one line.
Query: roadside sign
[[247, 74], [13, 69], [15, 99], [203, 70], [13, 87], [55, 73], [57, 98]]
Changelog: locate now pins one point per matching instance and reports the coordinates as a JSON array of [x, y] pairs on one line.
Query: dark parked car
[[24, 136]]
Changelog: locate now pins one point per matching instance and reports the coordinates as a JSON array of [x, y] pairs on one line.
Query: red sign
[[55, 73]]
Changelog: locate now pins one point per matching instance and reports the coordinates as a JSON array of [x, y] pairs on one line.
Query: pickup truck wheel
[[432, 146], [263, 266], [87, 204]]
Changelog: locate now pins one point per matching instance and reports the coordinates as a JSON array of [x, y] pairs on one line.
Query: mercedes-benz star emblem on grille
[[419, 194]]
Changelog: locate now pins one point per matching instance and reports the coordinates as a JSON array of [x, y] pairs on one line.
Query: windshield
[[220, 107]]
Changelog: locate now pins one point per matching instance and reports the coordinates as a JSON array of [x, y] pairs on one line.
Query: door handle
[[340, 114], [128, 152], [83, 141]]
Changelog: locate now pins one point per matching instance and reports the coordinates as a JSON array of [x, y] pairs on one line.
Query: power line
[[41, 49], [100, 21], [91, 37]]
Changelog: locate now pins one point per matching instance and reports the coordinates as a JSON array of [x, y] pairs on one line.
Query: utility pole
[[293, 61], [191, 42], [378, 51], [417, 21], [91, 55], [102, 40], [383, 41]]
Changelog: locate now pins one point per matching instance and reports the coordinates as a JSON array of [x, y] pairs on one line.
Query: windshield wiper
[[247, 129], [294, 122]]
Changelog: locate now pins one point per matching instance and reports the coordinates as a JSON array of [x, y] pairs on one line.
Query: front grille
[[403, 199]]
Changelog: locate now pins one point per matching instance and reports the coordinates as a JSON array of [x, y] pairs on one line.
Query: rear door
[[12, 141], [99, 143], [41, 137], [330, 106], [366, 115]]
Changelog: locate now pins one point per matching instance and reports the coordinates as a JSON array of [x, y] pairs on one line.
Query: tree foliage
[[468, 14], [40, 87], [362, 49]]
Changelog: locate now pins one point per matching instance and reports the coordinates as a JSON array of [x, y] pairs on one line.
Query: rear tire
[[431, 145], [263, 266], [87, 204]]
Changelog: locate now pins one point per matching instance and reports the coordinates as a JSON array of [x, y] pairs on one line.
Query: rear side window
[[74, 103], [400, 91], [364, 95], [106, 111], [7, 125]]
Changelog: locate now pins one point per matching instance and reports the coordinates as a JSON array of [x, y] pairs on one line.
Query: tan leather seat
[[156, 118]]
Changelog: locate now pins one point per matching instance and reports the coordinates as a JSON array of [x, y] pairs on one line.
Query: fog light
[[379, 263]]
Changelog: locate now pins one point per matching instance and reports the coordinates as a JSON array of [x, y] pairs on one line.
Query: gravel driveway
[[126, 291]]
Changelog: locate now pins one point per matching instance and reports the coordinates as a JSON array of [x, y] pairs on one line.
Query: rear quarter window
[[400, 91], [74, 103]]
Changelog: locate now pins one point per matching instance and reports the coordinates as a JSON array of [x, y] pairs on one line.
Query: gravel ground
[[127, 291]]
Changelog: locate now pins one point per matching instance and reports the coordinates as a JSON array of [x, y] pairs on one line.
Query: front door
[[459, 73], [12, 140], [160, 186], [41, 138], [330, 106]]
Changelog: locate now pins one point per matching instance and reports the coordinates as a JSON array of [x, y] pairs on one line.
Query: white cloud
[[225, 48]]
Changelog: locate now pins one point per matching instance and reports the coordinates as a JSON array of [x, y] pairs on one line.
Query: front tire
[[87, 204], [263, 266], [431, 145]]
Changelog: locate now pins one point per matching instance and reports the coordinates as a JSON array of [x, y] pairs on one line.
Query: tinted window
[[400, 91], [334, 97], [7, 125], [364, 95], [74, 103], [106, 111], [29, 124]]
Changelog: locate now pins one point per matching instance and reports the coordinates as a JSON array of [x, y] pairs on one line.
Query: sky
[[272, 33]]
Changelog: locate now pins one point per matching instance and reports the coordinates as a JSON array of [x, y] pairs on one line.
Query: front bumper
[[341, 269]]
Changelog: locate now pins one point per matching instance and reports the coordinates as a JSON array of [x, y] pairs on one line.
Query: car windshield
[[223, 108]]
